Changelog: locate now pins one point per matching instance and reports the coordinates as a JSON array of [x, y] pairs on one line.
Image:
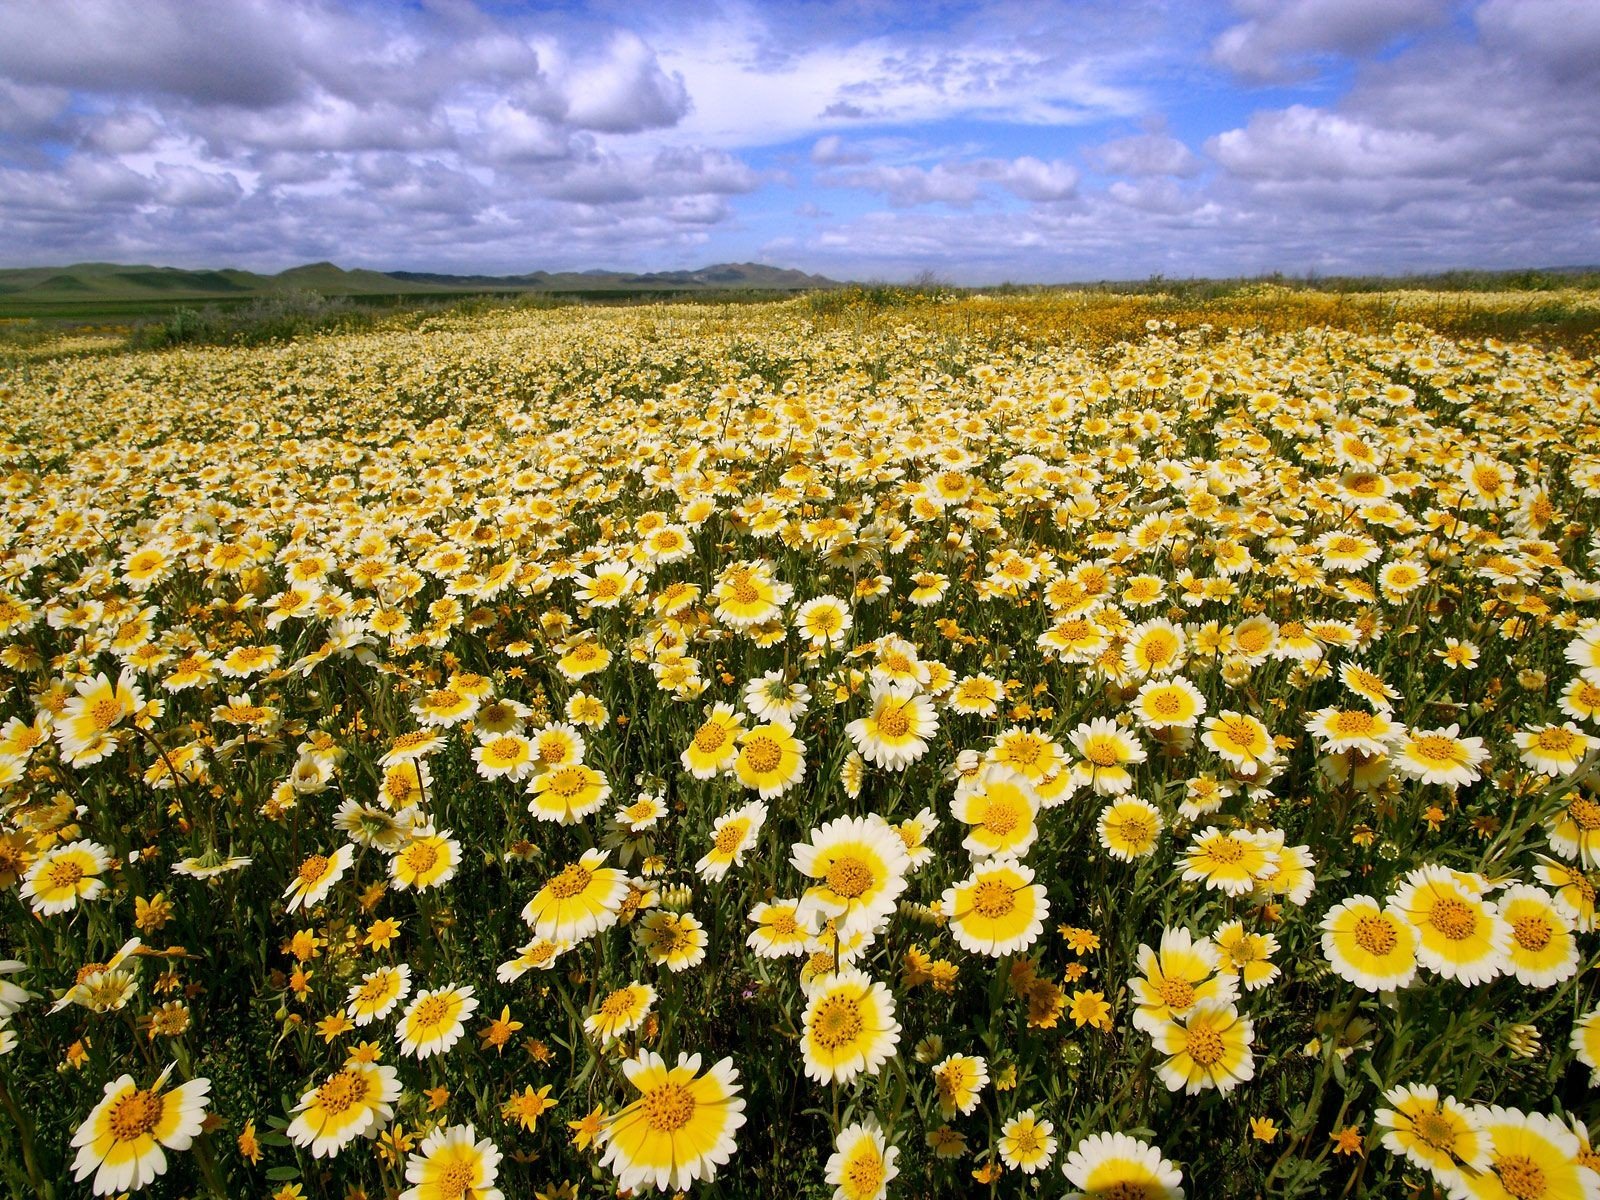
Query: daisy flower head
[[1246, 956], [504, 755], [86, 726], [1529, 1157], [1553, 749], [770, 761], [65, 874], [1000, 806], [1574, 832], [378, 992], [316, 877], [959, 1081], [715, 745], [824, 622], [862, 1164], [1172, 980], [355, 1101], [1436, 1133], [860, 866], [676, 941], [1129, 828], [776, 698], [732, 835], [452, 1164], [1230, 861], [1240, 740], [777, 932], [849, 1028], [1343, 729], [1154, 648], [567, 794], [998, 909], [429, 860], [1107, 1165], [622, 1011], [1460, 935], [124, 1139], [1541, 951], [681, 1126], [580, 900], [1207, 1048], [1172, 703], [1107, 751], [1440, 756], [1029, 752], [1026, 1142], [1369, 944], [914, 832], [894, 734], [435, 1020]]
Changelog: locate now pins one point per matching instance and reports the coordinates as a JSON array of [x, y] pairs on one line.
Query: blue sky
[[857, 138]]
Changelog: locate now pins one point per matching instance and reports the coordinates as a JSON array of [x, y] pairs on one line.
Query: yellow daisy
[[998, 909], [680, 1129]]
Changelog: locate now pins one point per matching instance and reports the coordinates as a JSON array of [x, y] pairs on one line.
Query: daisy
[[1459, 934], [1553, 749], [1585, 1043], [998, 909], [1155, 647], [1107, 1165], [715, 744], [579, 900], [539, 954], [1575, 892], [622, 1011], [676, 941], [1342, 729], [123, 1140], [428, 860], [773, 697], [1246, 956], [1028, 752], [1169, 704], [1026, 1143], [84, 728], [64, 875], [680, 1128], [378, 992], [862, 1163], [777, 932], [1129, 828], [316, 877], [1000, 807], [1174, 979], [1370, 945], [860, 865], [1574, 832], [1440, 756], [731, 836], [824, 622], [1230, 862], [568, 794], [435, 1020], [771, 760], [895, 733], [1209, 1048], [1529, 1157], [1435, 1133], [1542, 951], [848, 1028], [504, 755], [451, 1164], [914, 832], [1107, 752], [355, 1101], [959, 1081], [1240, 740]]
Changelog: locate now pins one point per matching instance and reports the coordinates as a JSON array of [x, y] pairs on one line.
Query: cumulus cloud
[[1279, 39], [1151, 153]]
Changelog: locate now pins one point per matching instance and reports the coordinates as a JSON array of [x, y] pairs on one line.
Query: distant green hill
[[117, 283]]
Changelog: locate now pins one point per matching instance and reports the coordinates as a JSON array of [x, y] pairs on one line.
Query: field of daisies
[[787, 751]]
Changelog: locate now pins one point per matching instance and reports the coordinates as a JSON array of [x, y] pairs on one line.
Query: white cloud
[[1280, 38], [1151, 153]]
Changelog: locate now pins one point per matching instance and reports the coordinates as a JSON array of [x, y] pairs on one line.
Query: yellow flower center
[[1520, 1176], [849, 877], [1001, 818], [64, 875], [762, 754], [1375, 934], [992, 899], [729, 837], [667, 1108], [1352, 723], [505, 750], [373, 990], [444, 698], [1454, 918], [865, 1173], [431, 1012], [1224, 850], [785, 924], [456, 1180], [572, 881], [133, 1116], [710, 737], [421, 857], [1166, 704], [342, 1092], [1434, 748], [836, 1023], [410, 741], [893, 720], [1102, 752], [1585, 813], [313, 869], [1205, 1045], [1177, 994], [1435, 1129], [1554, 740], [105, 713], [1532, 932], [566, 783], [618, 1004], [1025, 1141], [745, 592]]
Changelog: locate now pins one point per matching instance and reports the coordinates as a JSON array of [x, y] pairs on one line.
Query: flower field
[[787, 750]]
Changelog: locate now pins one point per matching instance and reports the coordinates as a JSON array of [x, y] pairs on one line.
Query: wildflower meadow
[[998, 746]]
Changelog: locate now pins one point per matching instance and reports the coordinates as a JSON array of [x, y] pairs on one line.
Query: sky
[[862, 139]]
